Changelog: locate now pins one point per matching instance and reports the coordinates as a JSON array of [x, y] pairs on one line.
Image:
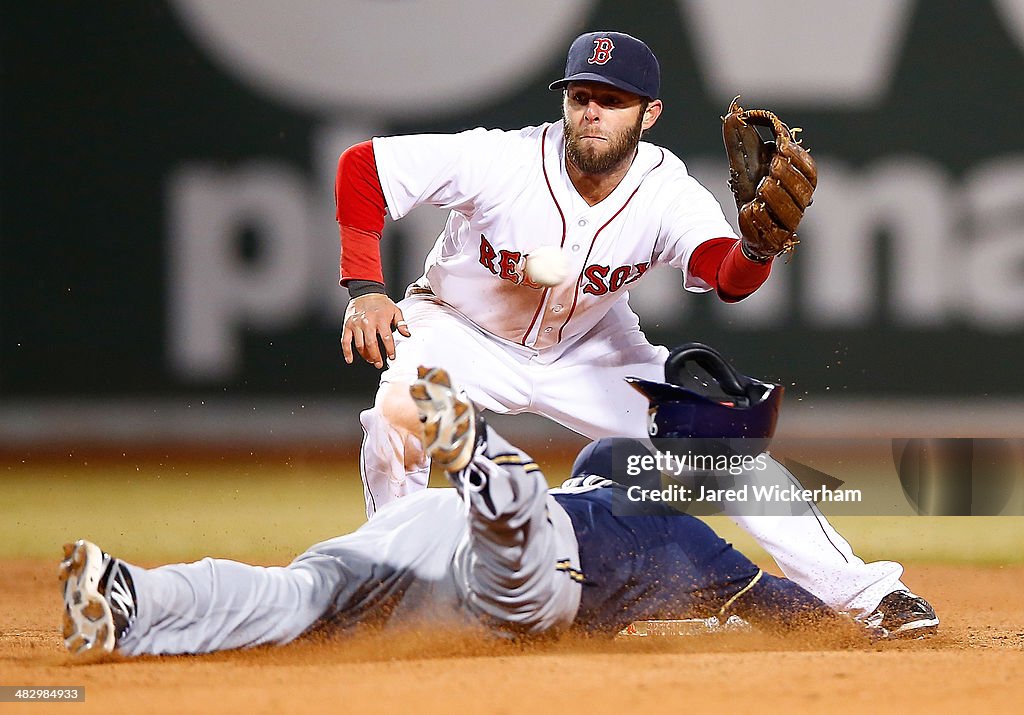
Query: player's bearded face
[[599, 157]]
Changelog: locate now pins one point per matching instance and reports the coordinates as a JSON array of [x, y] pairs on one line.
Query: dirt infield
[[974, 664]]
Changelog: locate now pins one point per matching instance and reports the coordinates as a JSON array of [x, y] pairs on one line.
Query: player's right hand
[[368, 318]]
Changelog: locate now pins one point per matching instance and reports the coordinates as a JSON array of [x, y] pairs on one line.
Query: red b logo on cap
[[603, 47]]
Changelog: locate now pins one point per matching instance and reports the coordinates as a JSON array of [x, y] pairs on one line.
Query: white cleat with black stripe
[[99, 600], [903, 615]]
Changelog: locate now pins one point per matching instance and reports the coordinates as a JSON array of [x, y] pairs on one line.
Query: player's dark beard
[[590, 161]]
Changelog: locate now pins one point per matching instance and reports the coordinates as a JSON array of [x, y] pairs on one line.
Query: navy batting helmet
[[747, 407]]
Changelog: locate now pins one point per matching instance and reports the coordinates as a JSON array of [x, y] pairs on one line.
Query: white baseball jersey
[[509, 193], [561, 352]]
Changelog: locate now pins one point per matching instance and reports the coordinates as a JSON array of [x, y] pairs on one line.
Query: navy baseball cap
[[613, 58]]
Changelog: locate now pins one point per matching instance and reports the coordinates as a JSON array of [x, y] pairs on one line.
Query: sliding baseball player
[[498, 555]]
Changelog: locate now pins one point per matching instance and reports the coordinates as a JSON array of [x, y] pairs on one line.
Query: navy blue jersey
[[654, 566]]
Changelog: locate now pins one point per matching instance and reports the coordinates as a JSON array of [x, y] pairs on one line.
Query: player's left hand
[[369, 318], [773, 181]]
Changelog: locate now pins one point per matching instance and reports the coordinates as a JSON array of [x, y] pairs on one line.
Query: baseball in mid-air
[[547, 266]]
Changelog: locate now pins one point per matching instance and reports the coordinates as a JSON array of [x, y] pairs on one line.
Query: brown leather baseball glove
[[772, 180]]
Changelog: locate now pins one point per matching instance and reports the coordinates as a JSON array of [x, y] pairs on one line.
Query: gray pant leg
[[520, 562], [216, 604]]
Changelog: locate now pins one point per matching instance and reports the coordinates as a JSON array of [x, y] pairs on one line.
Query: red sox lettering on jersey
[[509, 194], [507, 265]]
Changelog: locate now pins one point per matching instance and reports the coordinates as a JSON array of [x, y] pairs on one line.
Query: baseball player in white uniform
[[498, 555], [615, 207]]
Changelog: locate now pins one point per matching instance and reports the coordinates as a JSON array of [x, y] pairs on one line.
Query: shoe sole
[[88, 625], [447, 419], [924, 628]]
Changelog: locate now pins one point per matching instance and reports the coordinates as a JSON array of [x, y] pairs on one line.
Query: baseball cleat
[[903, 615], [449, 419], [99, 600]]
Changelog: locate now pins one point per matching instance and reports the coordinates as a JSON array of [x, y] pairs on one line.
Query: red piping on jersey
[[576, 296], [544, 294]]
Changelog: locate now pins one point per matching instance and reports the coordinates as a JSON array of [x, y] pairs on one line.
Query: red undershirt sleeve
[[360, 213], [721, 264]]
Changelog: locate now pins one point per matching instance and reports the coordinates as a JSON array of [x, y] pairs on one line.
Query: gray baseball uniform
[[511, 566]]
